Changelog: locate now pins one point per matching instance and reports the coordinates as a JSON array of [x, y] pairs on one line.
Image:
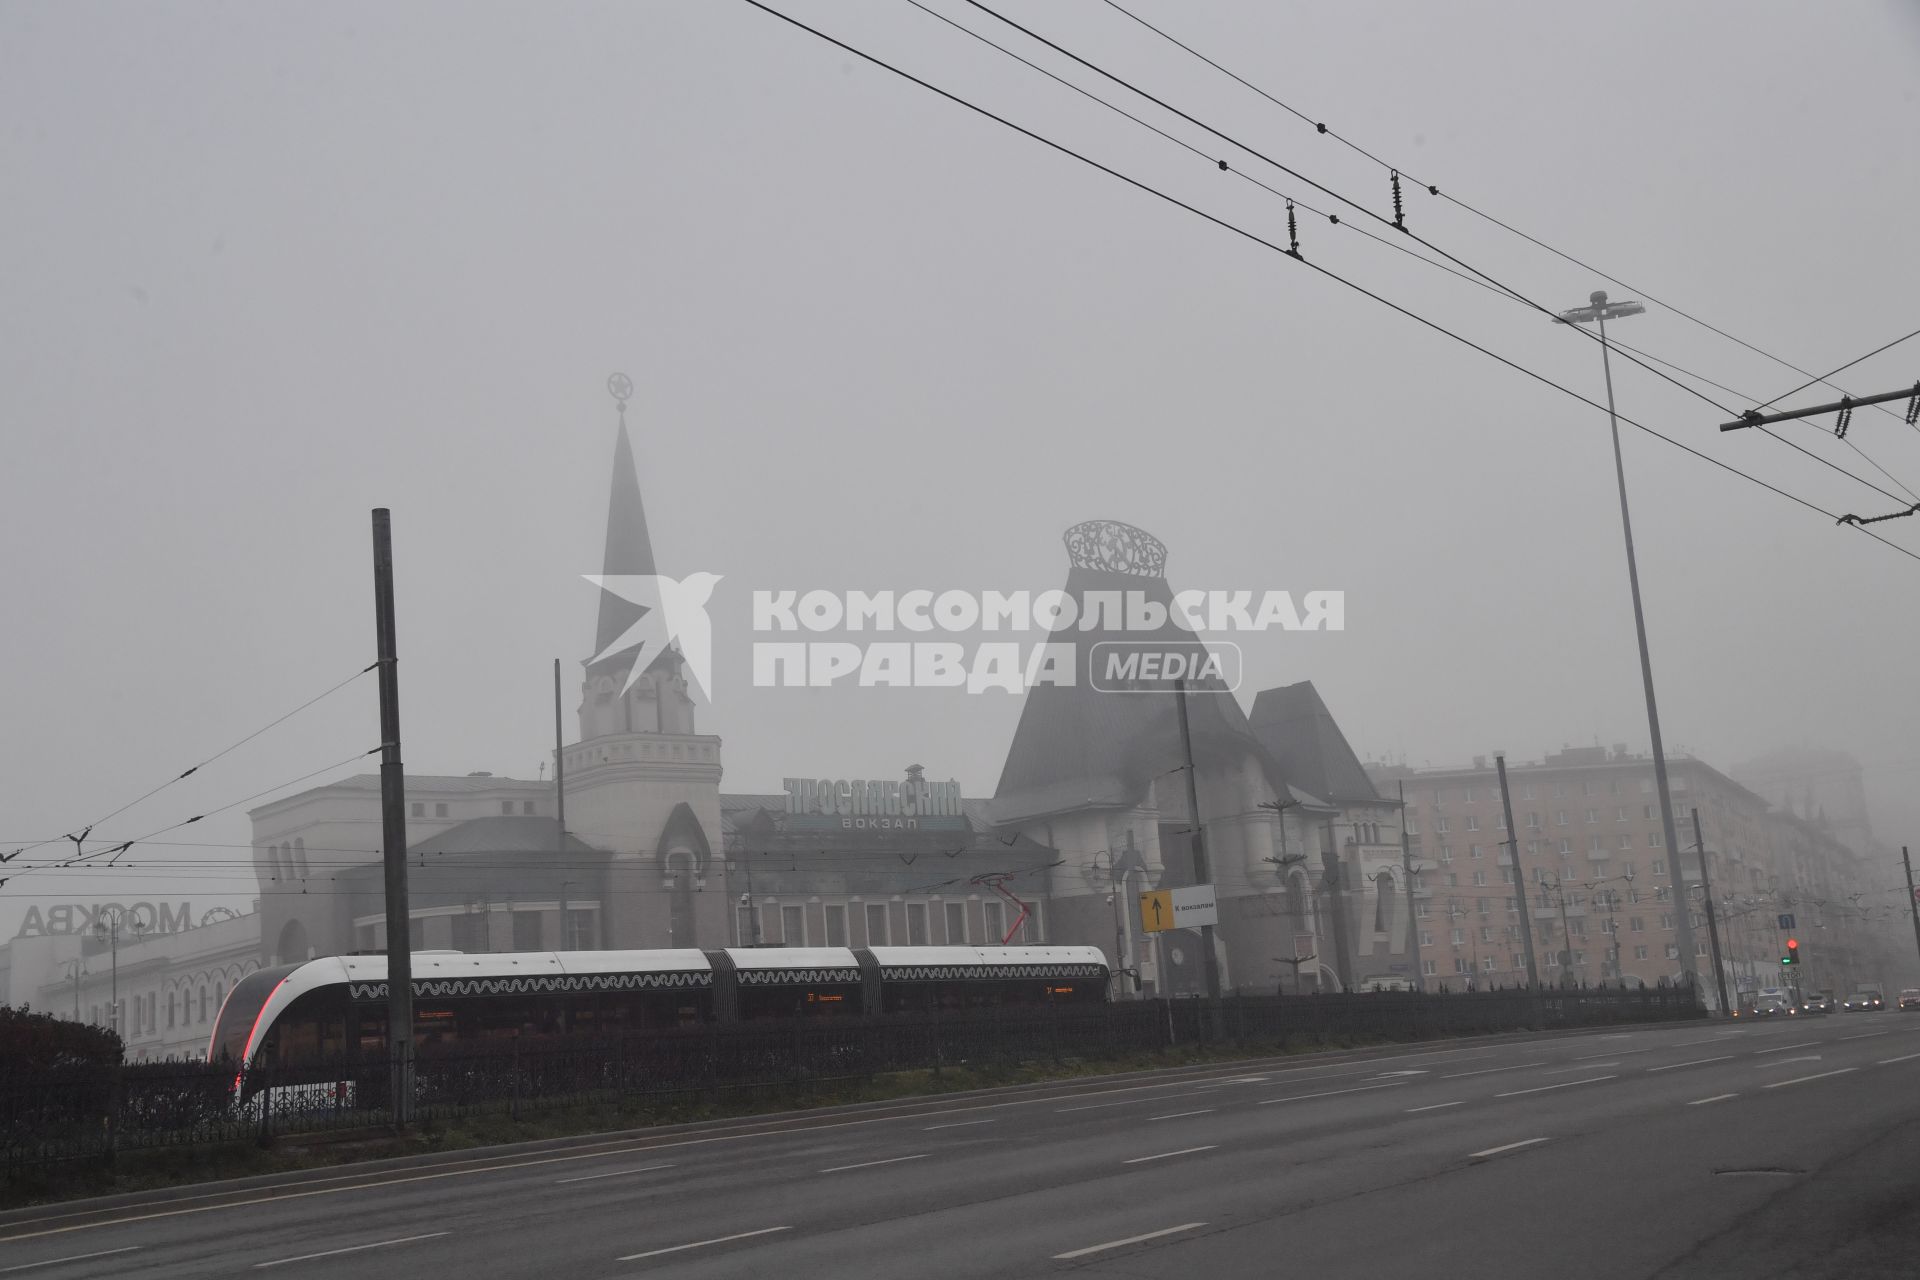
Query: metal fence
[[95, 1111]]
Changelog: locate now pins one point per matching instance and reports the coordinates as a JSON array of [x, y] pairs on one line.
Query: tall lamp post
[[1598, 313], [108, 931]]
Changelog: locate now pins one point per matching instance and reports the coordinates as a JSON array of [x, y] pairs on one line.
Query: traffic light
[[1793, 952]]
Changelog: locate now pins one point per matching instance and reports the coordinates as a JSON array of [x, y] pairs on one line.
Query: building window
[[1533, 820], [300, 857], [416, 933], [439, 811], [1486, 933], [470, 932], [1506, 875], [1411, 826], [1566, 847], [793, 926], [1479, 877], [1559, 790], [1429, 967], [1426, 937], [743, 923], [1459, 936], [1423, 910], [1473, 852], [579, 930], [956, 924], [1639, 953], [876, 924], [1593, 815], [419, 810], [1559, 817], [1659, 866], [1460, 964], [996, 914], [173, 1000], [1646, 784], [1655, 840], [506, 808], [1473, 822], [526, 807], [526, 931], [1466, 794], [1440, 824], [1673, 952], [837, 925], [916, 924], [203, 1004]]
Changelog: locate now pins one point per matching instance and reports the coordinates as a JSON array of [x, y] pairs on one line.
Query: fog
[[268, 267]]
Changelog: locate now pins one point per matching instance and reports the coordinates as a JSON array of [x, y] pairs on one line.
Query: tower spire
[[629, 549]]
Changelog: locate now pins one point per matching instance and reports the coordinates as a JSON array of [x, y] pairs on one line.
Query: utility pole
[[1336, 886], [1713, 923], [1200, 872], [393, 828], [1406, 868], [1519, 880], [560, 804], [1565, 955], [1913, 903]]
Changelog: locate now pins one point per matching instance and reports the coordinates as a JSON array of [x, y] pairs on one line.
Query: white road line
[[960, 1124], [1675, 1066], [1591, 1066], [868, 1164], [1564, 1084], [1618, 1053], [1117, 1244], [1175, 1115], [1391, 1084], [1777, 1084], [1101, 1106], [1511, 1146], [1718, 1097], [1487, 1071], [617, 1173], [1781, 1062], [352, 1248], [1864, 1035], [701, 1244], [78, 1257], [1782, 1048], [1184, 1151], [1434, 1106], [1905, 1057]]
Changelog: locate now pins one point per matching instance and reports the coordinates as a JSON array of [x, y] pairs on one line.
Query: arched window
[[203, 1003], [300, 857], [272, 853], [173, 999]]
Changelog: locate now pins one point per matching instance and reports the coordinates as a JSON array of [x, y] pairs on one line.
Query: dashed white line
[[1782, 1048], [352, 1248], [1779, 1084], [869, 1164], [1617, 1053], [959, 1124], [1864, 1035], [1675, 1066], [1718, 1097], [617, 1173], [1184, 1151], [1101, 1106], [1564, 1084], [1905, 1057], [1487, 1071], [77, 1257], [1175, 1115], [1120, 1244], [1302, 1097], [1591, 1066], [1781, 1062], [1511, 1146], [1434, 1106], [701, 1244]]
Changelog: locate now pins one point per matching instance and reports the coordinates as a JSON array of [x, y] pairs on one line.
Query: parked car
[[1910, 999], [1864, 1001]]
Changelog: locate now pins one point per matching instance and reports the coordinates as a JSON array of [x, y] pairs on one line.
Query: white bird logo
[[676, 609]]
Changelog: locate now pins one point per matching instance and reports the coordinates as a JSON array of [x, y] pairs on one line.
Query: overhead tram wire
[[1315, 267], [1848, 365], [181, 777], [1452, 199], [1476, 277]]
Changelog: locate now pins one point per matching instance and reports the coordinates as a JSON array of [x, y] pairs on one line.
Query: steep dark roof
[[1078, 746], [629, 551], [512, 835], [1298, 729]]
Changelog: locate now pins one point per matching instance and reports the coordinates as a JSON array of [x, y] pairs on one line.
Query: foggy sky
[[267, 267]]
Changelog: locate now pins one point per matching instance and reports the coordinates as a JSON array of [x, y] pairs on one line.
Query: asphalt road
[[1788, 1148]]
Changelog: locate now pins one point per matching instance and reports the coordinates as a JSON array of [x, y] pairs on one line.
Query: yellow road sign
[[1156, 910]]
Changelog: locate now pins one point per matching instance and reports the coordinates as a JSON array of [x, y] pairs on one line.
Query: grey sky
[[266, 267]]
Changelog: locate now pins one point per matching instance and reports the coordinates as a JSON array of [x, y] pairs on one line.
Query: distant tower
[[641, 781]]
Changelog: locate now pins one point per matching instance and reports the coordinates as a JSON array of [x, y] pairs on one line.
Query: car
[[1819, 1002], [1910, 999], [1864, 1001], [1768, 1005]]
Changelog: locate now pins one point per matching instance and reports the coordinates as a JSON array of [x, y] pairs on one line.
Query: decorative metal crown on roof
[[1116, 548]]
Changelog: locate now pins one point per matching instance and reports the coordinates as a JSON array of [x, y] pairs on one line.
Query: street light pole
[[1598, 313]]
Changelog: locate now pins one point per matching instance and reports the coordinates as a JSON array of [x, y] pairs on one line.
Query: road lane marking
[[1391, 1084], [1592, 1066], [701, 1244], [1435, 1106], [352, 1248], [1675, 1066], [868, 1164], [1564, 1084], [1905, 1057], [1777, 1084], [78, 1257], [1484, 1071], [1718, 1097], [1184, 1151], [617, 1173], [1175, 1115], [1864, 1035], [1617, 1053], [1781, 1062], [1119, 1244], [960, 1124], [1782, 1048], [1511, 1146], [1101, 1106]]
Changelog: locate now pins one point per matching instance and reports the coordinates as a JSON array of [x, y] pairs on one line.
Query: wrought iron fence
[[94, 1111]]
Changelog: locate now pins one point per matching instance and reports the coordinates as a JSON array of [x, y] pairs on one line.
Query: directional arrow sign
[[1156, 911]]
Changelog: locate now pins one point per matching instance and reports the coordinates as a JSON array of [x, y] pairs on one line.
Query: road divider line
[[1780, 1084], [1391, 1084], [1434, 1106], [1175, 1115], [1121, 1244], [1781, 1062], [960, 1124], [869, 1164], [1718, 1097], [1511, 1146], [1905, 1057], [1565, 1084], [77, 1257], [1487, 1071], [352, 1248], [1864, 1035], [1591, 1066], [1697, 1062], [1184, 1151], [701, 1244], [617, 1173], [1782, 1048], [1617, 1053]]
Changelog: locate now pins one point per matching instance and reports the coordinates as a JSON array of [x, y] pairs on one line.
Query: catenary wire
[[1848, 365]]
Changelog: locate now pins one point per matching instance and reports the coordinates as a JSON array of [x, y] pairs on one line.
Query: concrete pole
[[393, 828], [1201, 874], [1713, 923], [1519, 880], [1406, 870]]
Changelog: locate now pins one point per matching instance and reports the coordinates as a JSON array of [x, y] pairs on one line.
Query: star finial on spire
[[620, 387]]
